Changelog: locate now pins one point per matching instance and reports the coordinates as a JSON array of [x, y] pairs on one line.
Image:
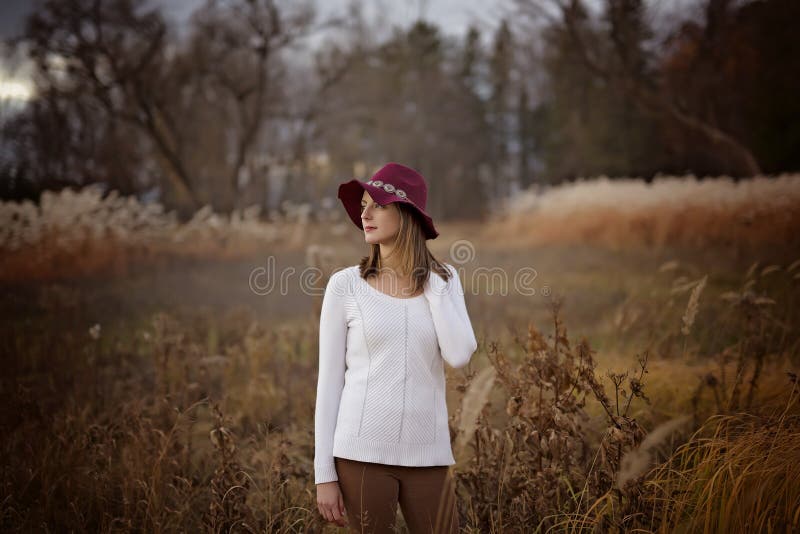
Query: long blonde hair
[[410, 245]]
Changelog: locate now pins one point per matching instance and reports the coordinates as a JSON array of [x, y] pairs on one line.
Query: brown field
[[639, 388]]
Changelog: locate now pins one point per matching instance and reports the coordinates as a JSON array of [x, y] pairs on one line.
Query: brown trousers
[[372, 491]]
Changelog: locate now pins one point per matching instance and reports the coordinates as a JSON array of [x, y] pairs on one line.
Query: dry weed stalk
[[472, 404], [536, 461], [691, 307], [230, 484], [761, 338]]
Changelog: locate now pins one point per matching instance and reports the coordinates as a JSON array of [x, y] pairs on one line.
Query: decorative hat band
[[389, 188]]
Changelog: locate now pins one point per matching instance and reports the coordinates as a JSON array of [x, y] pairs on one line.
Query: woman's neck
[[388, 263]]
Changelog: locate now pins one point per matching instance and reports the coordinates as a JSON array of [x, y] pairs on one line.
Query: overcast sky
[[454, 16]]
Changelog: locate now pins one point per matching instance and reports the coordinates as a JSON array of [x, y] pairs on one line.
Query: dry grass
[[81, 233], [201, 421], [162, 439], [736, 473], [567, 452], [623, 213], [743, 477]]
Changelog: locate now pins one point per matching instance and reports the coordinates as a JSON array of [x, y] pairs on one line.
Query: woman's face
[[381, 223]]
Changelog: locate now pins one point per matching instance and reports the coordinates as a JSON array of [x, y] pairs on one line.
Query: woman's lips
[[369, 228]]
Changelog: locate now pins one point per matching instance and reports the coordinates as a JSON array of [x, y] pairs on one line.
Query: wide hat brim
[[351, 193]]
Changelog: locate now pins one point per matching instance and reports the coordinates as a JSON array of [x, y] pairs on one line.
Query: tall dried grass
[[546, 463], [84, 232], [204, 422], [670, 211], [157, 433], [736, 473], [743, 477]]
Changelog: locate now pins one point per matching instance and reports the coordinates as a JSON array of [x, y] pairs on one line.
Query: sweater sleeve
[[450, 318], [330, 380]]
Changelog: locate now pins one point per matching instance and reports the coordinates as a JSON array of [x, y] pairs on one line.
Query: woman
[[386, 327]]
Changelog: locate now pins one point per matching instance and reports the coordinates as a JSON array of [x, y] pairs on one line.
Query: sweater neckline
[[386, 296]]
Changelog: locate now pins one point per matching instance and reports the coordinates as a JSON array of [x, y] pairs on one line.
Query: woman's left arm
[[450, 318]]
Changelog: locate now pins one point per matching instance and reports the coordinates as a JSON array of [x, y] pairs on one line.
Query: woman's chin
[[371, 239]]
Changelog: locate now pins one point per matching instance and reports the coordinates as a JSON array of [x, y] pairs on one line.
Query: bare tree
[[117, 55], [240, 43], [112, 52]]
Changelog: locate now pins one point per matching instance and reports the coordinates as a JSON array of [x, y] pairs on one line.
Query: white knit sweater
[[381, 385]]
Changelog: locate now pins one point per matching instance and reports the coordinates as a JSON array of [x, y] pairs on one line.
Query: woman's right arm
[[330, 381]]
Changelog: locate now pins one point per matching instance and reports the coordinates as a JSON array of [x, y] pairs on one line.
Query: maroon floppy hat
[[392, 183]]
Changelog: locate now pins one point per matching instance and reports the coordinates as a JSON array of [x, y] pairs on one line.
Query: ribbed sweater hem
[[406, 454]]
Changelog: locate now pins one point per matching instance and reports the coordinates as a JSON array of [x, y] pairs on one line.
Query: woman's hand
[[330, 503]]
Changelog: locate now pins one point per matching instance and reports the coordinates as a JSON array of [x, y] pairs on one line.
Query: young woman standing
[[387, 326]]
